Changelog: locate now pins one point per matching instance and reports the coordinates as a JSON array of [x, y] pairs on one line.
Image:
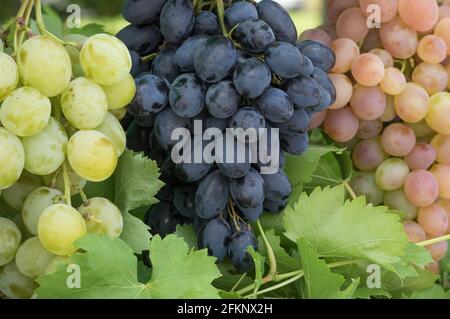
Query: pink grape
[[421, 188], [345, 50], [336, 7], [398, 139], [316, 34], [368, 69], [420, 15], [441, 30], [433, 220], [415, 232], [432, 77], [344, 90], [444, 12], [398, 39], [441, 144], [368, 154], [434, 268], [412, 104], [388, 8], [393, 82], [384, 56], [389, 113], [422, 156], [368, 102], [341, 125], [442, 174], [445, 204], [352, 24], [432, 49], [438, 250], [369, 129], [317, 119]]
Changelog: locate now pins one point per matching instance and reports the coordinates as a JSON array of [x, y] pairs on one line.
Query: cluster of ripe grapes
[[57, 133], [237, 65], [392, 107]]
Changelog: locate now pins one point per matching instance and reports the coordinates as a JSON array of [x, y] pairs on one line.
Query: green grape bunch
[[61, 103]]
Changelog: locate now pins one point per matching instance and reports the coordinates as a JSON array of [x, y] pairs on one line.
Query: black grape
[[137, 137], [277, 187], [222, 100], [254, 35], [308, 66], [156, 152], [184, 200], [251, 78], [138, 67], [163, 64], [214, 236], [237, 250], [184, 56], [228, 161], [322, 78], [162, 218], [285, 60], [297, 124], [151, 95], [177, 20], [187, 95], [303, 91], [278, 19], [251, 214], [274, 207], [143, 39], [320, 55], [275, 105], [165, 122], [140, 12], [193, 171], [248, 191], [145, 120], [295, 144], [248, 117], [212, 195], [206, 23], [238, 12], [215, 59]]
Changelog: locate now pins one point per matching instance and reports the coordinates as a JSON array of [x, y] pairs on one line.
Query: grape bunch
[[58, 131], [392, 107], [238, 65]]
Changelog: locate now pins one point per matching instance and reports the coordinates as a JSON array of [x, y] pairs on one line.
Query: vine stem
[[272, 260], [66, 179], [277, 286], [19, 21], [350, 190], [221, 15], [43, 29], [434, 240]]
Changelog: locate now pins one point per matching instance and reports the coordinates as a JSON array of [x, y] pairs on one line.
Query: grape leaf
[[319, 281], [367, 293], [285, 262], [187, 232], [89, 29], [136, 181], [415, 256], [259, 261], [398, 287], [52, 21], [434, 292], [108, 269], [338, 228], [230, 278], [135, 233]]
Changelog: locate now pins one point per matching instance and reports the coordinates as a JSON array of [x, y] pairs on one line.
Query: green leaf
[[285, 262], [52, 21], [187, 232], [414, 256], [89, 29], [397, 287], [319, 281], [230, 277], [350, 229], [109, 269], [259, 261], [367, 293], [434, 292], [144, 273], [136, 181], [135, 233]]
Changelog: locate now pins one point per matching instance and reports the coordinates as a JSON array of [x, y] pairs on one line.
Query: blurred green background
[[306, 13]]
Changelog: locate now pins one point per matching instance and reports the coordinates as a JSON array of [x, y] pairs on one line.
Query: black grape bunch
[[237, 65]]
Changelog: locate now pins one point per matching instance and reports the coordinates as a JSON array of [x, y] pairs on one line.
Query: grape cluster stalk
[[392, 108], [61, 100], [233, 65]]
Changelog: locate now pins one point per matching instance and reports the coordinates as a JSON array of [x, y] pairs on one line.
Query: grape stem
[[66, 179], [20, 19], [272, 260], [238, 282], [350, 190], [25, 28], [221, 14], [434, 240], [44, 31], [149, 57], [83, 196]]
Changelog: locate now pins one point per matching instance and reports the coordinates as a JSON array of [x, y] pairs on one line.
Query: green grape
[[59, 227], [84, 104], [102, 217], [15, 195], [21, 225], [120, 95], [55, 263], [364, 185], [10, 238], [25, 112], [12, 158], [74, 53], [397, 200], [36, 203], [391, 174], [438, 117], [112, 128], [105, 59], [32, 258], [76, 182], [44, 64], [9, 75], [92, 155], [119, 114], [14, 284], [45, 152]]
